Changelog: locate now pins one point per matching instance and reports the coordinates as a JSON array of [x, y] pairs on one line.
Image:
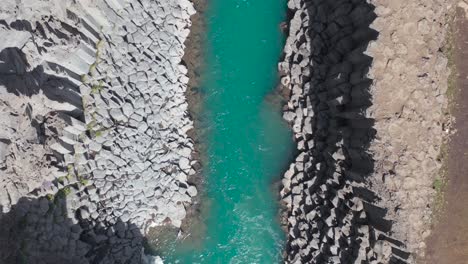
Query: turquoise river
[[248, 144]]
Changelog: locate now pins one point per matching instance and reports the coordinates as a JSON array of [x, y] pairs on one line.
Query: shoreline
[[194, 59], [272, 97], [192, 228]]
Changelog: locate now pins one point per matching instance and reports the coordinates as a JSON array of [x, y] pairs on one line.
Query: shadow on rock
[[18, 79], [42, 231]]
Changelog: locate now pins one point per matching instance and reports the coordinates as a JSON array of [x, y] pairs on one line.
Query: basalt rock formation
[[93, 143], [366, 82], [94, 125], [333, 213]]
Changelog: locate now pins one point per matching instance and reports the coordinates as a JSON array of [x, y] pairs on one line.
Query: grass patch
[[99, 46], [83, 102], [91, 125], [84, 78], [50, 197], [440, 186], [95, 89], [61, 179], [71, 172], [98, 133], [94, 129], [84, 182], [441, 181], [449, 51], [64, 192], [92, 69]]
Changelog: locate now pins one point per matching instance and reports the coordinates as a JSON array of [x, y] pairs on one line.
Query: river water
[[248, 144]]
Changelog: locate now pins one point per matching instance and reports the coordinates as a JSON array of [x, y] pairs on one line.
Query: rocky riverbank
[[366, 82], [94, 146]]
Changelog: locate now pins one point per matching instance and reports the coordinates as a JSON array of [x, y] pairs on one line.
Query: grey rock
[[192, 191], [117, 115]]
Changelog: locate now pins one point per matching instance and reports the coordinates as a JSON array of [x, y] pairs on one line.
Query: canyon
[[308, 131]]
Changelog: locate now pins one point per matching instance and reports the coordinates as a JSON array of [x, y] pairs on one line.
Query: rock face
[[367, 85], [136, 111], [331, 214], [93, 139]]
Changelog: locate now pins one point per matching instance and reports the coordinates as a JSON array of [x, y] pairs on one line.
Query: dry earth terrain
[[448, 242]]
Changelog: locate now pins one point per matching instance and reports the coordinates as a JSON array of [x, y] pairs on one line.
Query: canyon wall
[[350, 69]]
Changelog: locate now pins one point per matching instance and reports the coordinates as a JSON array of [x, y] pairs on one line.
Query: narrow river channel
[[248, 144]]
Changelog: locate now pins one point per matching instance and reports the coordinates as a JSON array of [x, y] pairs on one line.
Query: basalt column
[[330, 214]]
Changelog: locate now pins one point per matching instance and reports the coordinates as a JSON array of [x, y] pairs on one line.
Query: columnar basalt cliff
[[338, 206], [94, 146], [330, 213]]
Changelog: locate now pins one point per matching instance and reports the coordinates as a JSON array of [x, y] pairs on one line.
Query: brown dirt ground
[[448, 242]]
